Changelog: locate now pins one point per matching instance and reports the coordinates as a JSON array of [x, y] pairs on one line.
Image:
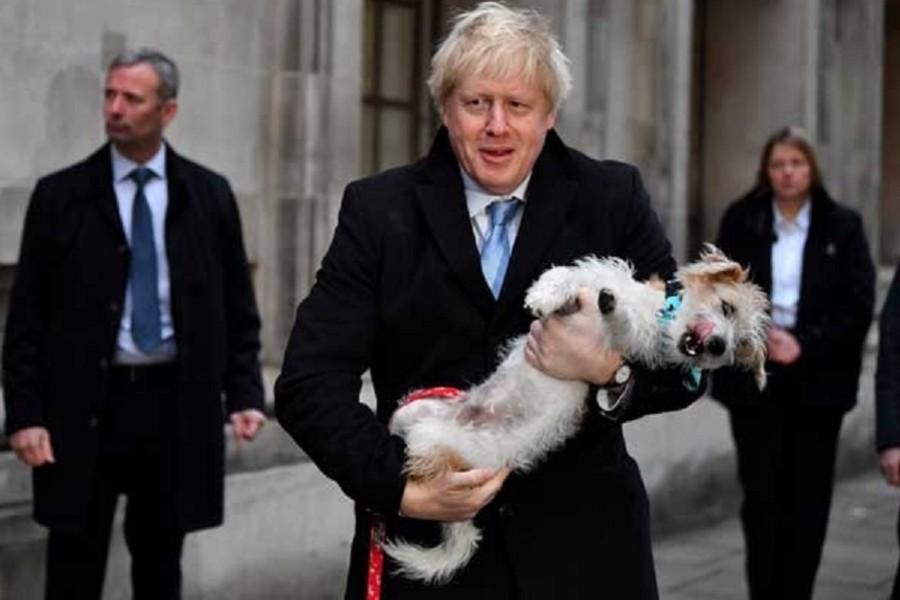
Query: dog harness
[[376, 524], [691, 379]]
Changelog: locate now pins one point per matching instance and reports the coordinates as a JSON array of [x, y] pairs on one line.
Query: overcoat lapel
[[763, 226], [443, 203], [178, 187], [178, 241], [100, 177], [442, 200], [548, 196], [819, 246]]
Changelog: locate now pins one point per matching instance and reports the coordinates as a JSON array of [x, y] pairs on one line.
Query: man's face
[[135, 117], [497, 129]]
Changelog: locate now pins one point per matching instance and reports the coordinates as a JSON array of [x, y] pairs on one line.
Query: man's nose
[[497, 120], [114, 104]]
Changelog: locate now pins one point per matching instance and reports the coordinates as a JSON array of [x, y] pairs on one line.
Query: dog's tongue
[[702, 330]]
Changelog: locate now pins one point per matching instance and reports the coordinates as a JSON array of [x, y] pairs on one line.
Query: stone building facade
[[292, 99]]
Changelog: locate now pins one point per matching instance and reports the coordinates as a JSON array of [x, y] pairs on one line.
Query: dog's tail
[[438, 564]]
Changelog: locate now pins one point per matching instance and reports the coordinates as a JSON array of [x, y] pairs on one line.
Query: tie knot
[[502, 211], [141, 176]]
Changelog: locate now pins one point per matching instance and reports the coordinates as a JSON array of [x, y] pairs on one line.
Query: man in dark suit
[[887, 395], [132, 313], [401, 292]]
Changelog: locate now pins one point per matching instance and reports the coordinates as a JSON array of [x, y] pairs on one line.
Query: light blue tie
[[146, 329], [495, 252]]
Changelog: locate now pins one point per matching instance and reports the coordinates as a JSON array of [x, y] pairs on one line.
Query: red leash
[[445, 392], [376, 558], [376, 526]]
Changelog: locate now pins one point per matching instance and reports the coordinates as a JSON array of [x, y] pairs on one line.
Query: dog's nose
[[716, 345], [606, 300]]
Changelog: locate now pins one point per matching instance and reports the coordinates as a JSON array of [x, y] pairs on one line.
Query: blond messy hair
[[498, 42]]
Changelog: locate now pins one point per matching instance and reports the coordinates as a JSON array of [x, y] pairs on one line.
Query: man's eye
[[727, 309]]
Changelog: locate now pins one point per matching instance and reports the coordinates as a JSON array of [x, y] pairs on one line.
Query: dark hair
[[795, 137], [164, 66]]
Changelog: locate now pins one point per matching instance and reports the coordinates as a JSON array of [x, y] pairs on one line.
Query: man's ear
[[169, 110], [551, 119], [442, 110]]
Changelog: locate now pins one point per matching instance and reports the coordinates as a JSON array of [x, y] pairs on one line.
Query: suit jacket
[[401, 292], [64, 316], [837, 294], [887, 375]]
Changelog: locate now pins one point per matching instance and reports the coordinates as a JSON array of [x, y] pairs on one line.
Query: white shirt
[[477, 200], [157, 193], [787, 264]]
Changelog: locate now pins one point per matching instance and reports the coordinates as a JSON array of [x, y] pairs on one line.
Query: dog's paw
[[555, 291]]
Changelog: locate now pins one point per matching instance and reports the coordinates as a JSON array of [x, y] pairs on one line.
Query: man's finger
[[46, 449], [469, 479]]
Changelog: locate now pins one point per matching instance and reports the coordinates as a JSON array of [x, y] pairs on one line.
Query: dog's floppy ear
[[713, 267], [752, 356], [720, 267]]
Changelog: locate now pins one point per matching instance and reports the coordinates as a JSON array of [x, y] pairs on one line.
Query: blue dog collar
[[672, 304], [666, 315]]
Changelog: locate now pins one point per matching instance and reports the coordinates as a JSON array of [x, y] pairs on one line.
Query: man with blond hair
[[424, 282]]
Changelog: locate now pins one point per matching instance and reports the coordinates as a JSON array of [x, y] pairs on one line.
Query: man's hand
[[32, 446], [246, 424], [889, 460], [784, 348], [572, 347], [454, 496]]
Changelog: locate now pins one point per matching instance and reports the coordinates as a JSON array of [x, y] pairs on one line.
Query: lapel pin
[[830, 249]]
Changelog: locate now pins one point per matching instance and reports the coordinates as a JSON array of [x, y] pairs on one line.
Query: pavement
[[858, 562]]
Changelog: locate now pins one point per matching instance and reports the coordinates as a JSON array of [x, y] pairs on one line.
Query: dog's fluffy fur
[[519, 414]]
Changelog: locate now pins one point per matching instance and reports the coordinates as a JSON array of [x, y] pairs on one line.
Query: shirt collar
[[477, 198], [801, 221], [123, 166]]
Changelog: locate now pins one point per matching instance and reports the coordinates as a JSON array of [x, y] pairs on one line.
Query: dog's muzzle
[[692, 344]]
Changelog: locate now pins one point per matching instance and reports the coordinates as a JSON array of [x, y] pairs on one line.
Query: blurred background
[[292, 99]]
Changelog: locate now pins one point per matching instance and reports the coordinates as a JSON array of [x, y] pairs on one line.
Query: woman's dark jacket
[[837, 295]]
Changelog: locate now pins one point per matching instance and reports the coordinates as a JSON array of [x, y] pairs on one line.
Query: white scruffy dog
[[519, 414]]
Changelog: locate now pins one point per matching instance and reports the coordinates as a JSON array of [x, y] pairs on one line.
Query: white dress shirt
[[477, 200], [157, 193], [787, 264]]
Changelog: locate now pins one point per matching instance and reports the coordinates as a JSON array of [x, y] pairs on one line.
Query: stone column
[[631, 63], [313, 132], [673, 140], [846, 115]]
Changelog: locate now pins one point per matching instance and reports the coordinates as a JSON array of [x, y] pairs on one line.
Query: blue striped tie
[[495, 252], [146, 329]]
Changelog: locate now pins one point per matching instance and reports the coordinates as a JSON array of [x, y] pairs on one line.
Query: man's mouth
[[496, 154]]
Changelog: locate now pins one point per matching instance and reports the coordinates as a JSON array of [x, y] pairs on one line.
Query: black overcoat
[[837, 296], [401, 292], [64, 315], [887, 375]]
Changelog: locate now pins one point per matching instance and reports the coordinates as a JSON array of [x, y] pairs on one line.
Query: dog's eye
[[727, 309]]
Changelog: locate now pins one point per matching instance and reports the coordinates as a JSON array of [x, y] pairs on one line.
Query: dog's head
[[723, 317]]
